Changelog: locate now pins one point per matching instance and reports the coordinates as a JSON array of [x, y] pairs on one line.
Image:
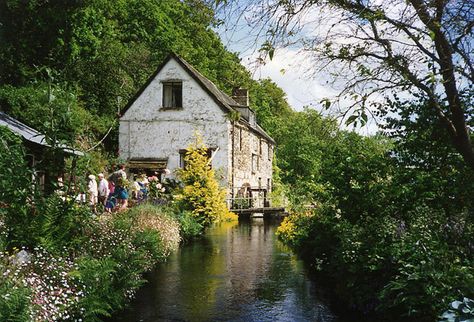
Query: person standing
[[92, 192], [103, 189], [118, 175], [122, 194]]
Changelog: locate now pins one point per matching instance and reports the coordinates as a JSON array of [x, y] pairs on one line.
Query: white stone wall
[[147, 131]]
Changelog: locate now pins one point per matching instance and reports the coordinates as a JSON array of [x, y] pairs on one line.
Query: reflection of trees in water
[[286, 281], [248, 258], [201, 269], [236, 272]]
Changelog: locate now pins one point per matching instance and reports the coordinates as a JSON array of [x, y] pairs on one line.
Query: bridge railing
[[248, 202]]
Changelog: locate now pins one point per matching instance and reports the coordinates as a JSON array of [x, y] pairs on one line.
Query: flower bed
[[92, 281]]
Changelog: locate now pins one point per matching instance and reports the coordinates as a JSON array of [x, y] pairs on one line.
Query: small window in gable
[[172, 95]]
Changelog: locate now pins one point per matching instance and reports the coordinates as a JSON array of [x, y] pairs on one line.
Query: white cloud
[[289, 69], [293, 71]]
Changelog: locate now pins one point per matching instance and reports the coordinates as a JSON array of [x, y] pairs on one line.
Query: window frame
[[176, 92]]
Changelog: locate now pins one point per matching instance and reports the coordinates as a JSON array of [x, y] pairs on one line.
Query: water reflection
[[238, 272]]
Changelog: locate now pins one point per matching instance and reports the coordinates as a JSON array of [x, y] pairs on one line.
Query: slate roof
[[226, 102], [30, 134]]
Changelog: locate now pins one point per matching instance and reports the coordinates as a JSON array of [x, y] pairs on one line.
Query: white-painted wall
[[147, 131]]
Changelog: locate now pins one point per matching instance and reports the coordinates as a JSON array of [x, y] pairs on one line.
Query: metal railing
[[248, 202]]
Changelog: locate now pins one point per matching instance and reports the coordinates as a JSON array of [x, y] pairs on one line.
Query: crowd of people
[[113, 193]]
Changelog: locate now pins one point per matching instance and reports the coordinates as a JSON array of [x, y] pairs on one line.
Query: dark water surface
[[237, 272]]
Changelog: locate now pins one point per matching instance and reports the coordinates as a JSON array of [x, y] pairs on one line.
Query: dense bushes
[[392, 239], [92, 279]]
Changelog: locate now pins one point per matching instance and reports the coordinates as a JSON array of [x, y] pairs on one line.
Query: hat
[[100, 175], [92, 177]]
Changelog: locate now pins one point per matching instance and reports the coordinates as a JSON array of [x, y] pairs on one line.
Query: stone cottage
[[159, 124]]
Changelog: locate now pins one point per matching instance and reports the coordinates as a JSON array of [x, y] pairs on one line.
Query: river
[[237, 272]]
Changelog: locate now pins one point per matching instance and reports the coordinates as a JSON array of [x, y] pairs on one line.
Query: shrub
[[201, 193], [409, 268], [16, 189], [60, 224], [152, 218], [189, 226]]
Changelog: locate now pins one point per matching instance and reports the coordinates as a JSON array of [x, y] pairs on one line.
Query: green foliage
[[59, 224], [159, 220], [30, 218], [14, 301], [189, 225], [201, 193], [99, 274], [392, 217], [51, 109], [15, 188]]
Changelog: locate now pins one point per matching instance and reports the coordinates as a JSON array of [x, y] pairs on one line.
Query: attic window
[[172, 95]]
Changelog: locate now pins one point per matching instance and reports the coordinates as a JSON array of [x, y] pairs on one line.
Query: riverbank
[[99, 271], [383, 267], [61, 261]]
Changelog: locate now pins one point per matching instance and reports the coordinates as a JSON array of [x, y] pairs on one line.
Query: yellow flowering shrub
[[287, 230], [201, 193]]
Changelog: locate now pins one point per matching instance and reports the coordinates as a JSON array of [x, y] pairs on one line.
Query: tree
[[421, 47]]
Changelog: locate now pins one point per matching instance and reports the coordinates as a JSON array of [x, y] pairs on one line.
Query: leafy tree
[[52, 109], [418, 47], [270, 105], [105, 50], [15, 187]]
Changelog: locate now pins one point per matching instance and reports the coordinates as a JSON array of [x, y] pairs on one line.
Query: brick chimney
[[241, 96]]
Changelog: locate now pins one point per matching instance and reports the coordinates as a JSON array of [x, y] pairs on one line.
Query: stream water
[[237, 272]]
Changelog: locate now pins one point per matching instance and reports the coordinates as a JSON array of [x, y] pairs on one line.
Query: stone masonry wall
[[252, 159]]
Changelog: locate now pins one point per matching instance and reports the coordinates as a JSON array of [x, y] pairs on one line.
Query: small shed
[[36, 146]]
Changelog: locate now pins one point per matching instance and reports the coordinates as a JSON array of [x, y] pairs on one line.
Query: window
[[270, 152], [172, 95], [182, 154], [254, 163], [240, 138], [260, 145]]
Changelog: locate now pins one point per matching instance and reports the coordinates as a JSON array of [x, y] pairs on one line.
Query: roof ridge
[[228, 100]]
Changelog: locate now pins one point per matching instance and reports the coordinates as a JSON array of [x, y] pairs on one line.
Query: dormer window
[[172, 94]]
